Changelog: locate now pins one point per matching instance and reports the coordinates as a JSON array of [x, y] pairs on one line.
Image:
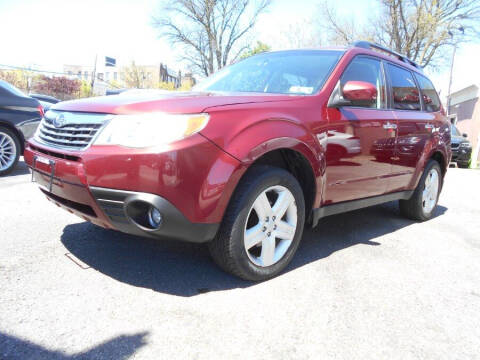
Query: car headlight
[[465, 145], [145, 130]]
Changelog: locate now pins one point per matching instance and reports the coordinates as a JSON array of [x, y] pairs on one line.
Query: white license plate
[[43, 160]]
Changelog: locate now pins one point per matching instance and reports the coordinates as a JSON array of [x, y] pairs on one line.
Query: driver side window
[[366, 70]]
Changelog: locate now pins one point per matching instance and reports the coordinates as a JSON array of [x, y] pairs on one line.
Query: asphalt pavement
[[368, 284]]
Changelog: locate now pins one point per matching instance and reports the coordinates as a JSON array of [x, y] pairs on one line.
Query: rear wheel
[[9, 151], [421, 206], [262, 226]]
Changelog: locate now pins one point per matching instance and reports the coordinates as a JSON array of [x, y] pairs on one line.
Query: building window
[[85, 75], [115, 76]]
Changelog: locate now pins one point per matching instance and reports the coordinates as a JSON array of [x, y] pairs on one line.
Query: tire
[[418, 207], [259, 262], [464, 165], [9, 150]]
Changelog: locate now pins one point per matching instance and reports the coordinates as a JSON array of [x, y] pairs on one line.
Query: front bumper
[[189, 186], [109, 208], [125, 212], [461, 155]]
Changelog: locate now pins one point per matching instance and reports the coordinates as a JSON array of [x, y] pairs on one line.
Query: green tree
[[165, 85], [133, 76], [259, 48], [21, 79], [85, 89]]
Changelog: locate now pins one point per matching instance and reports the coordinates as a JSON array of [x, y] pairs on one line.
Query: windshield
[[289, 72], [455, 131]]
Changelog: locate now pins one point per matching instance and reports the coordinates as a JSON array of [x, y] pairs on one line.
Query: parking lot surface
[[364, 285]]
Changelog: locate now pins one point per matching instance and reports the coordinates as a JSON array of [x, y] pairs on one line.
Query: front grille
[[55, 154], [76, 130]]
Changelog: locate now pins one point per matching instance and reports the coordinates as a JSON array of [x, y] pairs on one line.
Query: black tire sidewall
[[17, 150], [271, 177]]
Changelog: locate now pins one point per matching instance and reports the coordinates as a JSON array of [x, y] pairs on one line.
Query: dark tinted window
[[405, 92], [430, 96], [367, 70], [288, 72]]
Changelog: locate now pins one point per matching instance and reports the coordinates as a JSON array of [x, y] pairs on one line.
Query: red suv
[[254, 153]]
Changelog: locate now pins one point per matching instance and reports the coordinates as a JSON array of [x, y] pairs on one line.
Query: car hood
[[175, 102], [458, 139]]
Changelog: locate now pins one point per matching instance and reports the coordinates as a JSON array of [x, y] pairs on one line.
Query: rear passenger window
[[405, 92], [367, 70], [429, 95]]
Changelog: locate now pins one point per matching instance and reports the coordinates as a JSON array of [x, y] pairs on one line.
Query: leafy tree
[[60, 87], [133, 77], [211, 31], [420, 29], [18, 78], [85, 89], [165, 85], [258, 49]]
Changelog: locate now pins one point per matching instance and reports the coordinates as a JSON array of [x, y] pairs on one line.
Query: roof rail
[[374, 46]]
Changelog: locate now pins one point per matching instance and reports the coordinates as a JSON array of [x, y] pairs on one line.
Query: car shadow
[[20, 169], [120, 347], [186, 269]]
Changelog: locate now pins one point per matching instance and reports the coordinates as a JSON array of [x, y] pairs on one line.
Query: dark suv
[[19, 118], [254, 153], [461, 148]]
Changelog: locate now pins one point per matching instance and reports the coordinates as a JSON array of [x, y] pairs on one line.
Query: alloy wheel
[[7, 151], [270, 226], [430, 191]]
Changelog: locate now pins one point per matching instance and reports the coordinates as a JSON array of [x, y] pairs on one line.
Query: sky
[[47, 34]]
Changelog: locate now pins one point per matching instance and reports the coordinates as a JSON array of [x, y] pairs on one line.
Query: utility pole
[[462, 30], [94, 74]]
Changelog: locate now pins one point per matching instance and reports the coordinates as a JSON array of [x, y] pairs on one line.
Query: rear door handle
[[389, 126]]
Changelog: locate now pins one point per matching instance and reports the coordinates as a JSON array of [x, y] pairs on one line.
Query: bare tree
[[302, 33], [209, 30], [420, 29]]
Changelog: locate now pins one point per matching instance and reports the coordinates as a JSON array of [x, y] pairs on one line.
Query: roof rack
[[373, 46]]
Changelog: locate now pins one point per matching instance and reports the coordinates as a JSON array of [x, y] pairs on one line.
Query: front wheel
[[262, 226], [421, 206], [9, 151]]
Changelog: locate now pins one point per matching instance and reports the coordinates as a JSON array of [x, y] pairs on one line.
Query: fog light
[[154, 217]]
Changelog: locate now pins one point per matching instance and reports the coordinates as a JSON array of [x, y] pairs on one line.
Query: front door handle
[[389, 126]]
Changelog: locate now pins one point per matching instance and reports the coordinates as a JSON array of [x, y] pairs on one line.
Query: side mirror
[[353, 93], [359, 91], [464, 135]]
